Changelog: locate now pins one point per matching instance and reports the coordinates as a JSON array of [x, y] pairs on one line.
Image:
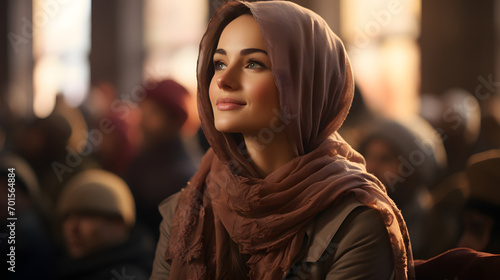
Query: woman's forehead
[[243, 32]]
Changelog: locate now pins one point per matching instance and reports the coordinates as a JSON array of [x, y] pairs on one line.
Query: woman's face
[[243, 93]]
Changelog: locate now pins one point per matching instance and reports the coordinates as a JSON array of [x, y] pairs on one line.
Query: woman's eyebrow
[[243, 51], [252, 50], [220, 51]]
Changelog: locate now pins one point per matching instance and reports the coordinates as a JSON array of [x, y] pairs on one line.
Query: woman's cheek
[[211, 93]]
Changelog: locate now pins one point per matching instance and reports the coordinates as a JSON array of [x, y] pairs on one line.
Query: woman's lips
[[227, 104]]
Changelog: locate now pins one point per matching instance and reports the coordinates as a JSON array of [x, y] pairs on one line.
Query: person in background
[[489, 136], [481, 217], [97, 213], [52, 146], [43, 142], [409, 158], [163, 165], [476, 255], [112, 129], [35, 249], [456, 115]]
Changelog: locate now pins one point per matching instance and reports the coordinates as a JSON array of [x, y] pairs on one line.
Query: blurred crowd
[[441, 168], [89, 179]]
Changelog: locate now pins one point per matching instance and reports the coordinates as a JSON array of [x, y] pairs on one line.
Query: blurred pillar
[[457, 44], [103, 55], [4, 30], [130, 47], [496, 17], [116, 54], [20, 56]]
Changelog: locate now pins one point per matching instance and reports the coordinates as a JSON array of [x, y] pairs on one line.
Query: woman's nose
[[228, 79]]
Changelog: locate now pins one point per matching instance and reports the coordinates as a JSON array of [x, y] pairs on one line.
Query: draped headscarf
[[232, 224]]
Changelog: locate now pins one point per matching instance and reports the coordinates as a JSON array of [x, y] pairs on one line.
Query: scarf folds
[[266, 219]]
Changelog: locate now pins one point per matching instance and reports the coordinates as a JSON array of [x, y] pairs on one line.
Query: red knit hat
[[172, 97]]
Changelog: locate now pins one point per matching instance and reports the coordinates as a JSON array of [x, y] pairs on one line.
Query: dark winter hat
[[483, 171]]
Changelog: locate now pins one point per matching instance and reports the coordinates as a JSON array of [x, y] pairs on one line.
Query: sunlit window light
[[172, 32], [381, 39], [61, 46]]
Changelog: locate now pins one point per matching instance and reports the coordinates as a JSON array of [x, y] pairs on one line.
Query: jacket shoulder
[[326, 226], [161, 267], [347, 241], [168, 205]]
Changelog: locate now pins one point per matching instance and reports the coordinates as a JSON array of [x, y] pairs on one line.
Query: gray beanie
[[98, 191]]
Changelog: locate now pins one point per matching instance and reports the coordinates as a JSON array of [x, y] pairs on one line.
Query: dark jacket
[[130, 260], [155, 174], [348, 241]]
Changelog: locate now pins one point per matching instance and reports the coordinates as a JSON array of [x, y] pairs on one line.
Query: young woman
[[280, 194]]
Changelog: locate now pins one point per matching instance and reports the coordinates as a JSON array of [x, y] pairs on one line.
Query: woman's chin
[[227, 128]]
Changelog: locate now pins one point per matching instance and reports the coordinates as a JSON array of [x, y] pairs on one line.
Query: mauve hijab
[[232, 224]]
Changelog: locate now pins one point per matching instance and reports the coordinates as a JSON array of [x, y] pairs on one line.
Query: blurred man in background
[[98, 217], [163, 165]]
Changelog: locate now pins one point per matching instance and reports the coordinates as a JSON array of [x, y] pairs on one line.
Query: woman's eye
[[255, 65], [219, 65]]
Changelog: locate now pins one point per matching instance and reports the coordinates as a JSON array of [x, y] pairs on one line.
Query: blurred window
[[172, 33], [381, 39], [61, 46]]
